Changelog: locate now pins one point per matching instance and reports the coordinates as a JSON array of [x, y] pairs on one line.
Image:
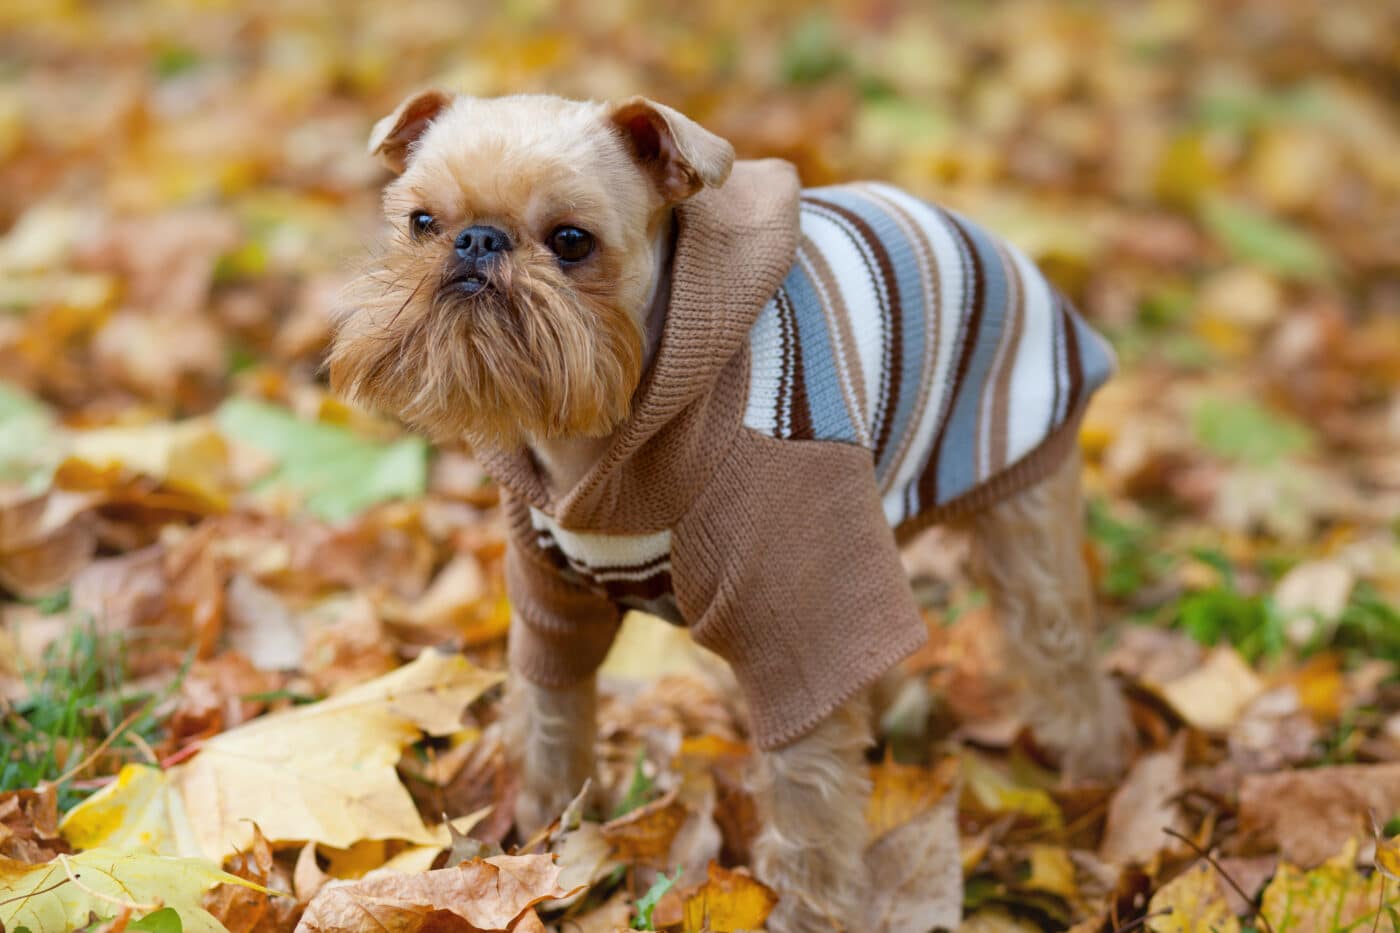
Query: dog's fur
[[550, 357]]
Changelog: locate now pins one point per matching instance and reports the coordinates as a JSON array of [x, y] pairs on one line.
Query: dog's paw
[[1097, 747]]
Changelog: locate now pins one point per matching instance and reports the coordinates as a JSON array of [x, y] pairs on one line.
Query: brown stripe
[[1076, 366], [928, 481], [799, 409], [928, 274], [892, 311], [1001, 394], [653, 587]]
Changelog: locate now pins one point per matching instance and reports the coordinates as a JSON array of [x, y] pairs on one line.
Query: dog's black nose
[[480, 241]]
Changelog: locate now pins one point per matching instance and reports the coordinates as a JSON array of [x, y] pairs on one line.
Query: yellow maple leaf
[[728, 900], [1192, 903], [58, 895], [323, 772]]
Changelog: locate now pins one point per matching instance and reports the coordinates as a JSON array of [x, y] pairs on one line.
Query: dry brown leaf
[[1212, 696], [645, 835], [915, 864], [1310, 814], [489, 894], [29, 825], [45, 539], [1143, 805], [728, 901], [613, 915]]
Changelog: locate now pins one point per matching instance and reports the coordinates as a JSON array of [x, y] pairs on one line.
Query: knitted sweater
[[839, 368]]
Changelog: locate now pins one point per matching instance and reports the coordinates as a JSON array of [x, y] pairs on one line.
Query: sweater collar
[[734, 247]]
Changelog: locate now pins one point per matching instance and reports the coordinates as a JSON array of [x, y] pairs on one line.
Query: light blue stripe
[[957, 467], [830, 418], [913, 307]]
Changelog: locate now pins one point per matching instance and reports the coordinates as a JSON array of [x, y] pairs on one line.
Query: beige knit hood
[[734, 245]]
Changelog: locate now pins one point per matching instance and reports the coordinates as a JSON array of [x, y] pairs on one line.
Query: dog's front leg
[[550, 733], [812, 796]]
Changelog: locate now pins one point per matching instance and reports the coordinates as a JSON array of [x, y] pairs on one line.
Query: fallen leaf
[[728, 901], [337, 472], [260, 625], [279, 771], [141, 811], [1333, 896], [45, 540], [900, 793], [29, 825], [489, 894], [995, 793], [1212, 696], [189, 456], [915, 866], [645, 835], [613, 915], [1143, 805], [43, 897], [1052, 871], [1310, 814], [1193, 902]]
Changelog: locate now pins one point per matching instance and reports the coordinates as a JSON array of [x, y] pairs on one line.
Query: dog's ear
[[392, 136], [678, 154]]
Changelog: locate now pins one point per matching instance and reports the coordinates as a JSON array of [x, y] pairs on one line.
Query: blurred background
[[184, 187]]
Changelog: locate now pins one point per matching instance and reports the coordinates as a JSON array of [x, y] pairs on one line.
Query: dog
[[724, 400]]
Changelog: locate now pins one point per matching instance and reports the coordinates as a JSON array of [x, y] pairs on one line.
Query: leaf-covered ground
[[237, 616]]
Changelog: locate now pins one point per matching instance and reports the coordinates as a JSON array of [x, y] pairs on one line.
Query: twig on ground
[[1254, 911]]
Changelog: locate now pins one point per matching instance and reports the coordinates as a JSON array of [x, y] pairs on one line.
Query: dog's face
[[527, 235]]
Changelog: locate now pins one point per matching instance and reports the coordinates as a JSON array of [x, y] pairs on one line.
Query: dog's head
[[527, 235]]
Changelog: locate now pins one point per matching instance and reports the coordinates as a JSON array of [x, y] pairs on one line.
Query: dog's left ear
[[392, 136], [679, 155]]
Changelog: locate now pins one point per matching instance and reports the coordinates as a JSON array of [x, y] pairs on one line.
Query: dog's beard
[[526, 358]]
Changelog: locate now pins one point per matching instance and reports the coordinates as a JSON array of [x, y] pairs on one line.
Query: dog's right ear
[[393, 136]]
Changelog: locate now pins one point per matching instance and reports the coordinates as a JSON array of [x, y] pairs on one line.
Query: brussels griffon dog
[[725, 400]]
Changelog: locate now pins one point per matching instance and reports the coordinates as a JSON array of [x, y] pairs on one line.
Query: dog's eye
[[571, 244], [421, 223]]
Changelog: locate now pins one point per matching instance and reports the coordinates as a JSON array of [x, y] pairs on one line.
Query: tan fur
[[812, 796], [549, 736], [1029, 552], [548, 352]]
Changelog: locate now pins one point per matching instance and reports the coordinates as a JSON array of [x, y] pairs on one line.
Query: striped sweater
[[911, 331], [838, 368]]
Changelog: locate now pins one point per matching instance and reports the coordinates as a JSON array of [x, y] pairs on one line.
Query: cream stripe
[[1033, 373], [601, 551], [951, 284], [927, 318]]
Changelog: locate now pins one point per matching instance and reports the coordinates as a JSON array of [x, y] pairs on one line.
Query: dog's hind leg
[[1028, 551]]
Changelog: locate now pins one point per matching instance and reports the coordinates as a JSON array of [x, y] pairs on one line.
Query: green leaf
[[648, 901], [27, 443], [1247, 432], [165, 920], [1256, 237], [639, 790], [337, 472]]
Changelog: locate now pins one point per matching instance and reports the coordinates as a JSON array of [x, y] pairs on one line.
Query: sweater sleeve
[[561, 629], [786, 568]]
